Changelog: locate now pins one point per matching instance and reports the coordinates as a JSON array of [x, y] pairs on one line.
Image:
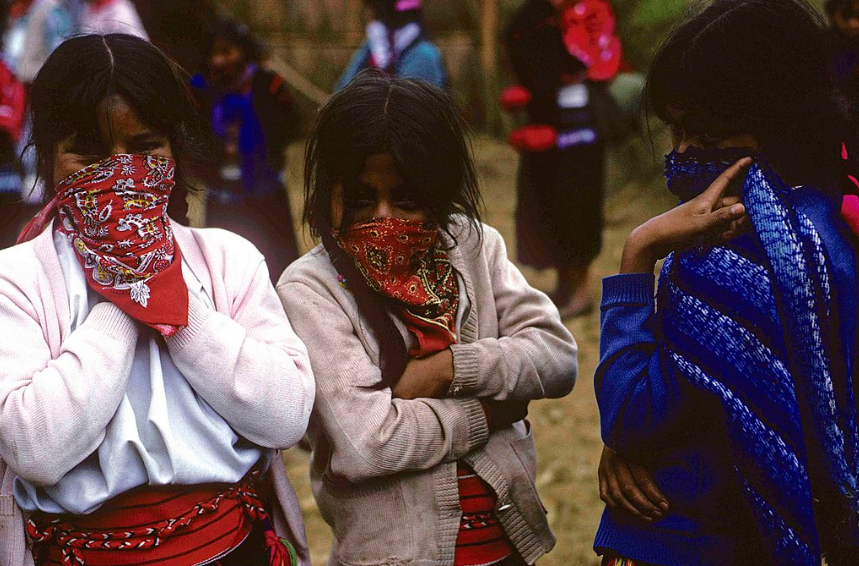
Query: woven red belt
[[167, 526]]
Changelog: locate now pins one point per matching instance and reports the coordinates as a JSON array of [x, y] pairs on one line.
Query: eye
[[147, 145], [361, 199], [408, 203]]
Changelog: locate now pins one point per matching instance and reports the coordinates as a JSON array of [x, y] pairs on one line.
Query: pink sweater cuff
[[198, 314]]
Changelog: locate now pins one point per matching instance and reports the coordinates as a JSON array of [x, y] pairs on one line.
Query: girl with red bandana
[[426, 342], [149, 375]]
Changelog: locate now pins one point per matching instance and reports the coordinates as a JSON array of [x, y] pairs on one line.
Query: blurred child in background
[[252, 117], [397, 44]]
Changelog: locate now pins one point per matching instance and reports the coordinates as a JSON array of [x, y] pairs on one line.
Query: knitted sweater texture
[[760, 335]]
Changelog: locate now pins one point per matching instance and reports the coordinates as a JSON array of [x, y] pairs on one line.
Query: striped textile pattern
[[752, 323]]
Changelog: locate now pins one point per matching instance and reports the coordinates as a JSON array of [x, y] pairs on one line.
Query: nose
[[383, 209]]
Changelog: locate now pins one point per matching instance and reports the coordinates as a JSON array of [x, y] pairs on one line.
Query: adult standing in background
[[397, 44], [252, 118], [112, 16], [560, 51]]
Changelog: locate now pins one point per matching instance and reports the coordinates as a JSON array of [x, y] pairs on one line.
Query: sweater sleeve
[[250, 367], [638, 393], [371, 433], [54, 411], [534, 356]]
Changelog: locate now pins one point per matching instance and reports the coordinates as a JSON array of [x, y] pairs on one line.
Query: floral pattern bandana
[[114, 213], [400, 260]]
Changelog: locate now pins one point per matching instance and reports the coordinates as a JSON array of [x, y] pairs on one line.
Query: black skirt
[[559, 213], [266, 222]]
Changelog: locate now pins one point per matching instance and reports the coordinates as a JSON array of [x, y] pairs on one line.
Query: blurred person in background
[[111, 16], [562, 54], [252, 118], [14, 207], [34, 29], [397, 44]]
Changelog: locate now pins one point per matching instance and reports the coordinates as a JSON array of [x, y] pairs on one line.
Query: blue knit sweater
[[653, 415]]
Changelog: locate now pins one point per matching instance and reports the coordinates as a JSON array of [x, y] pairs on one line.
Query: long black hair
[[85, 70], [758, 67], [420, 126]]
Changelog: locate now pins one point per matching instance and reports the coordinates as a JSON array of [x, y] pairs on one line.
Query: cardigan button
[[457, 389], [504, 507]]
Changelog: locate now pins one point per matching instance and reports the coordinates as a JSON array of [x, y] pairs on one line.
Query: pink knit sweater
[[58, 391]]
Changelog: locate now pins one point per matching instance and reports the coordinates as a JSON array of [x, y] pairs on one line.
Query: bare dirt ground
[[567, 430]]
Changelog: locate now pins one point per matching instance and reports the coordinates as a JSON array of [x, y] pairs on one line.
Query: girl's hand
[[709, 219], [629, 487], [427, 378]]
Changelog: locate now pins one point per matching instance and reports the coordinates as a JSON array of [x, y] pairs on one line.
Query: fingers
[[722, 221], [725, 202], [717, 190], [619, 489], [645, 482], [736, 228]]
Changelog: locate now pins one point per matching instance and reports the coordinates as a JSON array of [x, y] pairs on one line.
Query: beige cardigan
[[58, 390], [384, 470]]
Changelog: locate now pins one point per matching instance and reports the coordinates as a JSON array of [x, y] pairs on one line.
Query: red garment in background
[[13, 101], [589, 31]]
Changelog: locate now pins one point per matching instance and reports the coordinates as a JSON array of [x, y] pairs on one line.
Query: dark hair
[[237, 33], [420, 126], [386, 12], [759, 67], [85, 70]]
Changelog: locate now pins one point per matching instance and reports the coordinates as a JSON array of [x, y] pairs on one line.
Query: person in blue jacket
[[397, 44], [728, 400]]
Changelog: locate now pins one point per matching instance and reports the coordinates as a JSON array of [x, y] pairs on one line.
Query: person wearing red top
[[562, 54]]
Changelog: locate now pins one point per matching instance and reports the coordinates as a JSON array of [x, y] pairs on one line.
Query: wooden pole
[[489, 23], [354, 9]]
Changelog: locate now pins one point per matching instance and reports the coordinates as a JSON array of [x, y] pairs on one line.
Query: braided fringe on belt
[[76, 543]]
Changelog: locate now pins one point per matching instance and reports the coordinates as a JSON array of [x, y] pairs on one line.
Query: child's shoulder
[[475, 240], [314, 269]]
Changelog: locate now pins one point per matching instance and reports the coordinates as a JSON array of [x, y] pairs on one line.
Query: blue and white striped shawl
[[752, 323]]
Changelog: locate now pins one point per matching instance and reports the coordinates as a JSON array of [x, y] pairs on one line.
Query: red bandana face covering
[[400, 260], [114, 214]]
